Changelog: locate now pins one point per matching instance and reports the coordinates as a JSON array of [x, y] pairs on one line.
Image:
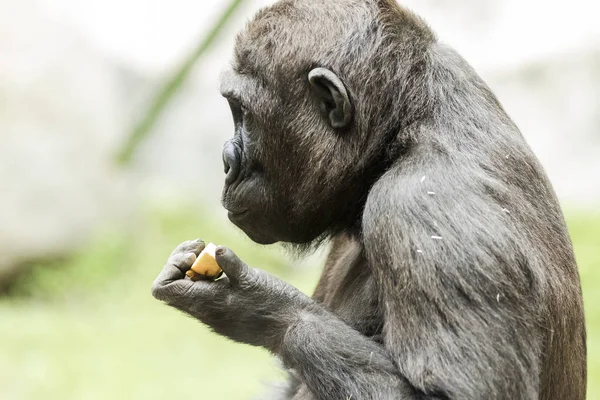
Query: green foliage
[[89, 329], [85, 271]]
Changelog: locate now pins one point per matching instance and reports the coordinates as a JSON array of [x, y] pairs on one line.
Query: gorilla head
[[311, 136]]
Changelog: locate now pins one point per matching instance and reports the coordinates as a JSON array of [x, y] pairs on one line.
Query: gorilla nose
[[231, 162]]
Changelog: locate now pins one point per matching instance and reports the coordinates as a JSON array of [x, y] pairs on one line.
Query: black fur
[[451, 274]]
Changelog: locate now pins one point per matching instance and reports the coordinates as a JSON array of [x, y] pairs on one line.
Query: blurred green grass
[[89, 329]]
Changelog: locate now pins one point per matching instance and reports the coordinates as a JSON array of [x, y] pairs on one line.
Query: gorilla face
[[247, 194], [282, 175], [259, 171], [310, 135]]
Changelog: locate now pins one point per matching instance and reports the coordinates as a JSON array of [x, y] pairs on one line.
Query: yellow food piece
[[205, 265], [193, 276]]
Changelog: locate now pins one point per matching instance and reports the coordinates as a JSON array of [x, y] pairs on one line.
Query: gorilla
[[451, 273]]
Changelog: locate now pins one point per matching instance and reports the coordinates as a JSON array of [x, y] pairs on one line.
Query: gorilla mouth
[[254, 229]]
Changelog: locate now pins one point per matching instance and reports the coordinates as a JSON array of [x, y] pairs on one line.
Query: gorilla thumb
[[235, 269]]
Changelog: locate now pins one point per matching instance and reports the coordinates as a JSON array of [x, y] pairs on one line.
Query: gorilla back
[[450, 251]]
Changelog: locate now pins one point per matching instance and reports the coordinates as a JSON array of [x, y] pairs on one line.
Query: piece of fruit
[[205, 266]]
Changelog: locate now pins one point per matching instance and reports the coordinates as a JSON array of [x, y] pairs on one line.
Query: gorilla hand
[[249, 305]]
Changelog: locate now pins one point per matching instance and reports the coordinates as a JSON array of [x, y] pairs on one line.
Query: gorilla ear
[[332, 95]]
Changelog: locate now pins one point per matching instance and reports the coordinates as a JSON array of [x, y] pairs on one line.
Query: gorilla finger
[[182, 261], [235, 269], [169, 274], [174, 269], [193, 246], [181, 247], [169, 290], [201, 292]]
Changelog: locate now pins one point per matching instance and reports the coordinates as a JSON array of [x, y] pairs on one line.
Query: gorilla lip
[[236, 213]]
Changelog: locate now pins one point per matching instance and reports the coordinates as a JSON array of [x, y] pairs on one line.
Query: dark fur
[[493, 309]]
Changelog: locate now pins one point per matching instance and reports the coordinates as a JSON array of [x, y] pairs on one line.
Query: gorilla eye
[[242, 117], [236, 111]]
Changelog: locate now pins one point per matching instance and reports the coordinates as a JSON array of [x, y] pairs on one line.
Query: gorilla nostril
[[231, 162]]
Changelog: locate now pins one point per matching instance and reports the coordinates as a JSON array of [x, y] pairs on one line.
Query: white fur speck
[[423, 178], [419, 251], [506, 211], [498, 298], [431, 193], [437, 237]]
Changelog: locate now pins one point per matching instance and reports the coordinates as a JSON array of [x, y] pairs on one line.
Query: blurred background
[[111, 126]]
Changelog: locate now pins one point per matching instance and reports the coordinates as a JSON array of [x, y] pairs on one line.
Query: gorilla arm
[[254, 307], [337, 362], [461, 305]]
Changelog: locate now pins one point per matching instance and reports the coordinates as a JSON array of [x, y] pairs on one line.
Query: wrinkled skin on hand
[[247, 305]]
